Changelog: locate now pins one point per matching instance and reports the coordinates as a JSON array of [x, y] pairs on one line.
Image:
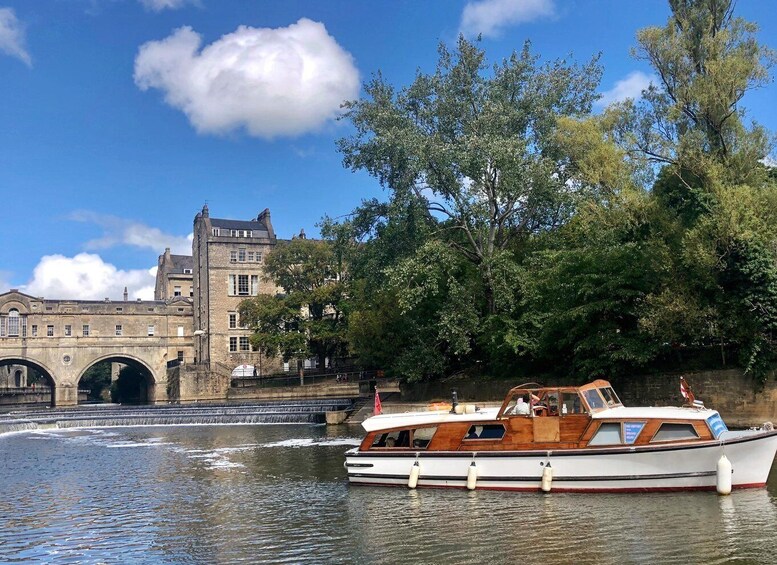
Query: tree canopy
[[523, 235]]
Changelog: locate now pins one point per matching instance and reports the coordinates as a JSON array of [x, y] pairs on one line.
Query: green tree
[[584, 294], [477, 147], [706, 61], [307, 319], [97, 379]]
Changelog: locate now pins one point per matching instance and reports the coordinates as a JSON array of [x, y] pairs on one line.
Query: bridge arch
[[42, 369], [148, 380]]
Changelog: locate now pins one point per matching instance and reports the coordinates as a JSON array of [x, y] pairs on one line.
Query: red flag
[[685, 390], [378, 408]]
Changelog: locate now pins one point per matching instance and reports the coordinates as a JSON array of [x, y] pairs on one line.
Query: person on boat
[[522, 407]]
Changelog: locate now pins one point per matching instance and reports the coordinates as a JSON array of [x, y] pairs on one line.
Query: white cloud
[[490, 17], [87, 277], [271, 82], [159, 5], [629, 87], [12, 36], [120, 231]]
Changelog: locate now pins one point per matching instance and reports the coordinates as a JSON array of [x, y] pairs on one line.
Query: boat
[[566, 439]]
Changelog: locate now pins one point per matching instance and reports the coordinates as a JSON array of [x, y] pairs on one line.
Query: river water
[[278, 494]]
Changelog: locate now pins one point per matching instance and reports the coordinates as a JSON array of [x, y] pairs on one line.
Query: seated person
[[522, 407]]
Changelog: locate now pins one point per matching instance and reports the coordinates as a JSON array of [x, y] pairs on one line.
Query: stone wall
[[197, 383], [322, 390], [740, 400]]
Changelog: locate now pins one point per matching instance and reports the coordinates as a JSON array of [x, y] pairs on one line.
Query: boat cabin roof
[[594, 397]]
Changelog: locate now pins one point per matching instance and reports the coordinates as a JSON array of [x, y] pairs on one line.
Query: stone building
[[174, 276], [228, 265], [13, 376]]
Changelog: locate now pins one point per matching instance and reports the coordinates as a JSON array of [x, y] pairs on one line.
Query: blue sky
[[119, 119]]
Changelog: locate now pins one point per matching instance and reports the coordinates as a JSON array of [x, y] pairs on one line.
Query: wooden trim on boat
[[622, 449]]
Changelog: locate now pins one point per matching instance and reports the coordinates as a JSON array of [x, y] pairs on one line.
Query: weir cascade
[[296, 411]]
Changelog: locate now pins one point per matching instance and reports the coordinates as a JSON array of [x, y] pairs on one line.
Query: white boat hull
[[621, 469]]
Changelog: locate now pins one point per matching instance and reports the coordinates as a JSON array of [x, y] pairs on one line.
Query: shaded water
[[278, 494]]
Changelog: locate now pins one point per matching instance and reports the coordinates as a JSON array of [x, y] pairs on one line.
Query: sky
[[120, 119]]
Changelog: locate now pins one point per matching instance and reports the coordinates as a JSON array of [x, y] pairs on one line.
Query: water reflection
[[278, 494]]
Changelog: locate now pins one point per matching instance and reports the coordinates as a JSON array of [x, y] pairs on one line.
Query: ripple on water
[[278, 494]]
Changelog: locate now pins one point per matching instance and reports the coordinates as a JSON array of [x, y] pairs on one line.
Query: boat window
[[399, 438], [488, 431], [609, 395], [570, 403], [422, 437], [675, 432], [609, 433], [595, 402]]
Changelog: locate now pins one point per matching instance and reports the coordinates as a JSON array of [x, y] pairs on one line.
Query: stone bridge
[[62, 339]]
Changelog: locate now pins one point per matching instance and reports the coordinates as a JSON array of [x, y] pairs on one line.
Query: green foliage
[[588, 289], [476, 145], [308, 319], [706, 61], [97, 379], [522, 234]]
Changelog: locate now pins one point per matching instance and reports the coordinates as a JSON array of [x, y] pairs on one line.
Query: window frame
[[686, 424], [243, 285], [14, 323], [599, 430], [483, 426]]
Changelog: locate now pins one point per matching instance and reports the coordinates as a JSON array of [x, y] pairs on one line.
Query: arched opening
[[121, 380], [25, 383]]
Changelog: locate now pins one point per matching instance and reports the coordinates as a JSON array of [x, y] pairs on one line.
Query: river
[[278, 494]]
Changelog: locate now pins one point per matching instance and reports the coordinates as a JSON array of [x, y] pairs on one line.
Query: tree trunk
[[301, 368]]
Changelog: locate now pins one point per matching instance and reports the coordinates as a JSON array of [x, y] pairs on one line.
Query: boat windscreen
[[593, 399], [609, 395]]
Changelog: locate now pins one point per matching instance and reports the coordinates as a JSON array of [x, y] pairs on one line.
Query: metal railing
[[9, 390], [291, 379]]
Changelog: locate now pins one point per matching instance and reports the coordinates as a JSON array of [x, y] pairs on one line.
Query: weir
[[298, 411]]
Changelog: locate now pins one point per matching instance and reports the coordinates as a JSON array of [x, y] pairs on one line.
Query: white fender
[[415, 472], [472, 476], [547, 478], [724, 475]]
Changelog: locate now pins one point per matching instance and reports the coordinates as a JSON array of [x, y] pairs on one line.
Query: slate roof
[[241, 225], [181, 262]]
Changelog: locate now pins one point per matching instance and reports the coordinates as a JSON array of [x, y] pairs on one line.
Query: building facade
[[174, 276], [228, 267], [64, 338]]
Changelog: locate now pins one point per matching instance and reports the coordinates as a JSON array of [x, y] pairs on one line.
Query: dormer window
[[187, 271], [216, 232]]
